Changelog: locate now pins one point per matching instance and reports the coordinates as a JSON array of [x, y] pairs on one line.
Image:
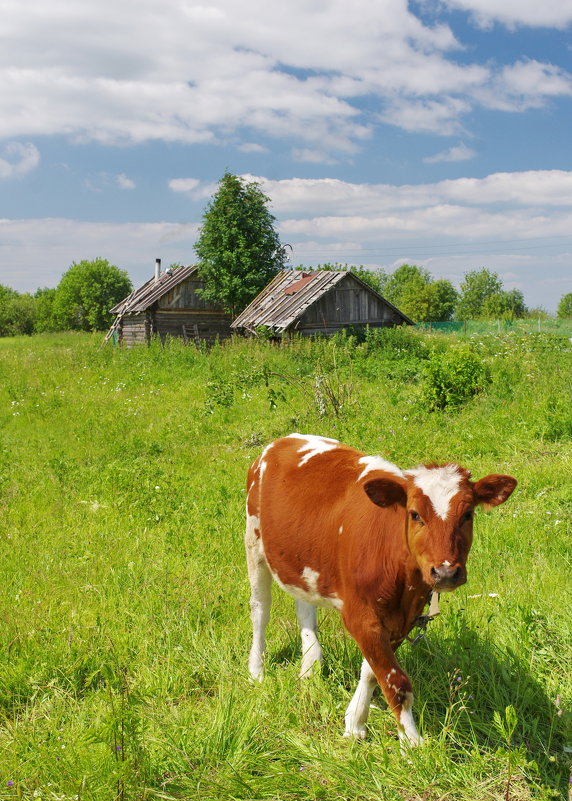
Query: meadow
[[124, 600]]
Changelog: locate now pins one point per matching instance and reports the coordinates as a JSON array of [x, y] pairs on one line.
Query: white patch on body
[[263, 464], [313, 446], [439, 484], [252, 527], [341, 530], [311, 578], [310, 595], [377, 463]]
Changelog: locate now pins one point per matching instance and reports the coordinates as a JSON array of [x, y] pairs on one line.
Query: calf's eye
[[468, 516], [416, 517]]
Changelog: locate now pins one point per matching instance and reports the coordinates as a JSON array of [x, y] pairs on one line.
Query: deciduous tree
[[86, 293], [238, 249], [565, 306], [415, 293], [476, 287]]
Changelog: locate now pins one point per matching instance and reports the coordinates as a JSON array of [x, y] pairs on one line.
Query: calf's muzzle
[[448, 577]]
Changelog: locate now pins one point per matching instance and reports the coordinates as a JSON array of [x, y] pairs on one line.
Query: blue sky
[[436, 132]]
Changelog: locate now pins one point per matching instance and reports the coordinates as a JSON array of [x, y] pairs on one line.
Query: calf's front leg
[[379, 665]]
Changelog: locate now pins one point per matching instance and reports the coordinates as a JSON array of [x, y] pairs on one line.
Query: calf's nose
[[446, 575]]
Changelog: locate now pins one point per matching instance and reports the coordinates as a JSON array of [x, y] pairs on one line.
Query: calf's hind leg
[[260, 597], [311, 650]]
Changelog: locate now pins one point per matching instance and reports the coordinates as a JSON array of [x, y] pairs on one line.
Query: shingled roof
[[290, 293], [145, 296]]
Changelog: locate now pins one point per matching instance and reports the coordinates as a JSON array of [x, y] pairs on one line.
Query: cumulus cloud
[[548, 13], [18, 158], [52, 244], [192, 187], [312, 156], [124, 182], [457, 153], [240, 69]]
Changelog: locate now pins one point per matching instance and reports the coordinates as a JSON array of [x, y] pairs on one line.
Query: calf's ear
[[493, 490], [385, 492]]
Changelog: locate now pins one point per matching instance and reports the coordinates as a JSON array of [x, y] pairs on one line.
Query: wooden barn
[[320, 302], [168, 305]]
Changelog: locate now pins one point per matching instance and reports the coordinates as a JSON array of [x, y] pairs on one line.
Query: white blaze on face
[[313, 446], [377, 463], [439, 484]]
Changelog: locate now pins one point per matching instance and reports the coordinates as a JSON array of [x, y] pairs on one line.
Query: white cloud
[[457, 153], [124, 182], [312, 156], [239, 69], [18, 158], [252, 147], [548, 13], [192, 187], [52, 244]]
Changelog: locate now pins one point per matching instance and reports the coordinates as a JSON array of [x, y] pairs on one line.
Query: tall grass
[[124, 598]]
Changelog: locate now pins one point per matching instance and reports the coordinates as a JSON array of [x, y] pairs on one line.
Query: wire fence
[[559, 326]]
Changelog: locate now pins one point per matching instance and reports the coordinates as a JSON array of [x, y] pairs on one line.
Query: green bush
[[453, 377]]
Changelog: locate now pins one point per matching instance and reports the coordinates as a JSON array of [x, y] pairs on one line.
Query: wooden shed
[[168, 305], [319, 302]]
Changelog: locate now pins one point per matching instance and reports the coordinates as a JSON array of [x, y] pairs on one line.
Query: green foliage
[[44, 301], [416, 294], [565, 306], [476, 287], [85, 294], [505, 305], [17, 312], [453, 377], [482, 297], [238, 249]]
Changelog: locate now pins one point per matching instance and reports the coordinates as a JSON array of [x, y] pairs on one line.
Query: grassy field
[[124, 596]]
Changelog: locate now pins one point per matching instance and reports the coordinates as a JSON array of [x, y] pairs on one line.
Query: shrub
[[453, 377]]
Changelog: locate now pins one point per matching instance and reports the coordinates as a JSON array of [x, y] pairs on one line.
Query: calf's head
[[439, 503]]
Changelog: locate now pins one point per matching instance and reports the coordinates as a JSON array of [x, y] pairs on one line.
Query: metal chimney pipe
[[157, 270]]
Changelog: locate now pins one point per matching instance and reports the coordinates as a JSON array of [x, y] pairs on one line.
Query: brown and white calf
[[336, 528]]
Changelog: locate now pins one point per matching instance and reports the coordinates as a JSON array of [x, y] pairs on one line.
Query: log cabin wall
[[348, 303], [180, 312], [135, 329]]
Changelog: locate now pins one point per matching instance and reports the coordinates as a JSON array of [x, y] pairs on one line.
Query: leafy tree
[[476, 287], [17, 312], [415, 293], [238, 249], [565, 306], [44, 301], [85, 294], [504, 305], [7, 296]]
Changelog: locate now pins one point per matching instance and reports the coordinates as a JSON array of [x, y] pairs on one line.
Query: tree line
[[239, 252], [80, 302], [481, 295]]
